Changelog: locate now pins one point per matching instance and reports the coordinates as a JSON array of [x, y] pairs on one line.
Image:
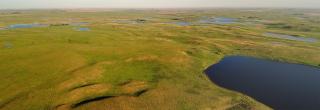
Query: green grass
[[165, 61]]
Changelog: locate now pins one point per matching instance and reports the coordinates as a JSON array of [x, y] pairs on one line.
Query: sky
[[27, 4]]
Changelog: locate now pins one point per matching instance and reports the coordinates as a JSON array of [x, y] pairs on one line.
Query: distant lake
[[289, 37], [34, 25], [219, 20], [282, 86]]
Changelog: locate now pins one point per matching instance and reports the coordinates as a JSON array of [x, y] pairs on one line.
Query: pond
[[281, 86], [218, 20], [182, 23], [83, 29], [289, 37], [16, 26]]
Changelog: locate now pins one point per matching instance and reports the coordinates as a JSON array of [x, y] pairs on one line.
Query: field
[[140, 59]]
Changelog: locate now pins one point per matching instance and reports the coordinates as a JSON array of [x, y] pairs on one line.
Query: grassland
[[154, 65]]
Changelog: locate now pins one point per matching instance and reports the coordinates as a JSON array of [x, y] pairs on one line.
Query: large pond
[[282, 86], [290, 37]]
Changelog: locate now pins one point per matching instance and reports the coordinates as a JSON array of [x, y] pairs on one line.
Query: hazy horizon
[[35, 4]]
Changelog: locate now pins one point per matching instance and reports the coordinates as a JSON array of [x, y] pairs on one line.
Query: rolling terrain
[[95, 59]]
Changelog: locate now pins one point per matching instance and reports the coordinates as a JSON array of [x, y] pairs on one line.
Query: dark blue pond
[[281, 86]]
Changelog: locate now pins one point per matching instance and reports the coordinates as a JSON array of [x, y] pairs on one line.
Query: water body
[[282, 86], [182, 23], [17, 26], [218, 20], [290, 37], [83, 29]]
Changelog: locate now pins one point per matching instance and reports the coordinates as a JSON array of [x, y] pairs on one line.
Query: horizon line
[[214, 7]]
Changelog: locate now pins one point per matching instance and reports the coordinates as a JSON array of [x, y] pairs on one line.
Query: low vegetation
[[152, 65]]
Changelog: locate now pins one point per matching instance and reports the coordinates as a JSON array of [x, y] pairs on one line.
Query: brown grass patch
[[134, 88], [142, 58], [83, 94], [84, 76]]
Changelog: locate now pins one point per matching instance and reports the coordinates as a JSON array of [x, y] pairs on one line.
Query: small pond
[[182, 23], [218, 20], [83, 29], [289, 37], [281, 86]]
